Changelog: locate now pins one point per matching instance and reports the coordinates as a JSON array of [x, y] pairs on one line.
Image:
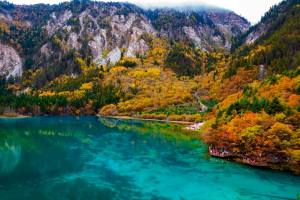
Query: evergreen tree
[[56, 107], [255, 105], [264, 103], [274, 107], [298, 108], [298, 90]]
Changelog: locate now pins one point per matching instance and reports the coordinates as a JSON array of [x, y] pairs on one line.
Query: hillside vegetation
[[108, 59]]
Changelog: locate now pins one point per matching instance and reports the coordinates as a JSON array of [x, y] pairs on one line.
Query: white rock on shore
[[195, 126]]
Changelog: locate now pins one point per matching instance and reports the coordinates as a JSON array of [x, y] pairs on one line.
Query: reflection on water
[[10, 157], [68, 157]]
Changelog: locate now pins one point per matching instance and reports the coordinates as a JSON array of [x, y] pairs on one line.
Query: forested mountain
[[263, 26], [117, 59], [100, 33]]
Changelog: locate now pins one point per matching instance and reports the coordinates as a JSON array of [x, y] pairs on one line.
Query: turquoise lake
[[71, 157]]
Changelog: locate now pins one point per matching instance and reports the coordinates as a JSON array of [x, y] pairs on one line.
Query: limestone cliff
[[109, 28], [10, 61]]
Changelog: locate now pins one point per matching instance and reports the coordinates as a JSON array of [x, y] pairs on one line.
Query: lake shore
[[190, 126], [19, 116], [126, 117], [133, 152], [195, 126]]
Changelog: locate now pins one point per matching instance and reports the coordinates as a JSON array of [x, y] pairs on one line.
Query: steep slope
[[116, 59], [254, 32], [10, 61], [102, 33], [207, 29], [276, 50]]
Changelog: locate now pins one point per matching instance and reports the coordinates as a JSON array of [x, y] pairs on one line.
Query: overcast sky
[[250, 9]]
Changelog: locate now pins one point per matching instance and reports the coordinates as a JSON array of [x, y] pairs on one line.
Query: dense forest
[[167, 78]]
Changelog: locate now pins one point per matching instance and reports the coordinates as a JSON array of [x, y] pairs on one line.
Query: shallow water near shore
[[71, 157]]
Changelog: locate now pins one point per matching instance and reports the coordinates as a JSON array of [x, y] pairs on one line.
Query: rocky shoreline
[[196, 126]]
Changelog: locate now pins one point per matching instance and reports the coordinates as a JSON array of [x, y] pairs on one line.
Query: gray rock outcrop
[[262, 72], [10, 61], [46, 49], [113, 57]]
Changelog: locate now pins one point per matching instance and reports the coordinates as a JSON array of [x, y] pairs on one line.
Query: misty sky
[[250, 9]]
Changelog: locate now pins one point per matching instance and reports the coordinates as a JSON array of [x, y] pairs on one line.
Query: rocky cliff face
[[229, 22], [260, 28], [208, 29], [10, 61], [124, 30], [57, 21], [254, 35], [46, 49], [107, 29], [231, 25]]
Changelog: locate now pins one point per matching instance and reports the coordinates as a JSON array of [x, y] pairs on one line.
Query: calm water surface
[[69, 157]]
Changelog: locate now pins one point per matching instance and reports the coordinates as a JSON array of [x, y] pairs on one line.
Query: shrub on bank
[[161, 117], [181, 118], [11, 114]]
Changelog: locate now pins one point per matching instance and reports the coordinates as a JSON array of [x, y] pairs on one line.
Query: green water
[[69, 157]]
